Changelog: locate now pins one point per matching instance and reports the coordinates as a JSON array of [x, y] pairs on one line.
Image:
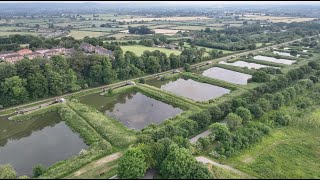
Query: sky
[[183, 2]]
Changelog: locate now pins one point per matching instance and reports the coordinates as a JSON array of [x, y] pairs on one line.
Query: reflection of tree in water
[[121, 98], [18, 130]]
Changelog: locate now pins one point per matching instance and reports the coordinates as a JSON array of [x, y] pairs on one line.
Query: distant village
[[13, 57]]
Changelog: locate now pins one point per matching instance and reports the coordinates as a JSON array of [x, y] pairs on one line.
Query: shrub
[[38, 170], [142, 81], [280, 119], [220, 131], [216, 113], [256, 110], [132, 164], [7, 172], [244, 113], [260, 76], [233, 121], [203, 118]]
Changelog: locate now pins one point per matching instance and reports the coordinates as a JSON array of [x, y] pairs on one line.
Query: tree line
[[40, 78]]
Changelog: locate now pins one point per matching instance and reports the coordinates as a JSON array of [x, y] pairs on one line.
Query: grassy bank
[[110, 129]]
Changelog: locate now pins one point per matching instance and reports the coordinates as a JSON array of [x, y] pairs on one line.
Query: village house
[[12, 58], [61, 50], [171, 46], [69, 51], [42, 51], [2, 55], [50, 53], [34, 55], [103, 51], [23, 52], [87, 47]]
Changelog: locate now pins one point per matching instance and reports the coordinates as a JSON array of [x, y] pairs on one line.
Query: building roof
[[34, 53], [24, 51], [51, 51]]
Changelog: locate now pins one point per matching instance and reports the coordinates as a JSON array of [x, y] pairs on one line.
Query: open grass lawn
[[138, 50], [82, 34]]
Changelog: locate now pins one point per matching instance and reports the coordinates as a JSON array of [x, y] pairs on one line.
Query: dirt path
[[97, 163], [204, 134], [206, 160]]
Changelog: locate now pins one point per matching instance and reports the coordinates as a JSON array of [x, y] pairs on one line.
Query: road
[[206, 160], [152, 75], [204, 134]]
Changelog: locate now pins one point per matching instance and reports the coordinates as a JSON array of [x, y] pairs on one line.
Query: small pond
[[42, 140], [245, 64], [272, 59], [284, 53], [133, 109], [227, 75], [191, 89]]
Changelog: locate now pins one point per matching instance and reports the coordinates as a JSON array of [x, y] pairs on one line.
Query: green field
[[138, 50], [82, 34], [209, 49], [6, 33], [289, 152]]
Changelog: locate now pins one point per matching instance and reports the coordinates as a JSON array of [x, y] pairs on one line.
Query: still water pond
[[133, 109], [43, 140], [227, 75], [272, 59], [191, 89], [284, 53], [245, 64]]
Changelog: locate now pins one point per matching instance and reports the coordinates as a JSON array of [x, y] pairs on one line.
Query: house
[[50, 53], [23, 52], [2, 55], [34, 55], [60, 49], [87, 47], [42, 51], [12, 58], [69, 51], [171, 46], [103, 51]]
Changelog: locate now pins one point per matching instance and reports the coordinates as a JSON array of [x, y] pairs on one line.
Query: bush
[[142, 81], [233, 121], [260, 76], [187, 67], [220, 131], [244, 113], [280, 119], [256, 110], [38, 170], [205, 142], [180, 164], [132, 164], [216, 113], [203, 118], [7, 172]]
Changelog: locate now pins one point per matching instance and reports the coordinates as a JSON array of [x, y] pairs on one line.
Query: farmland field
[[275, 19], [138, 50], [164, 19], [82, 34], [7, 33]]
